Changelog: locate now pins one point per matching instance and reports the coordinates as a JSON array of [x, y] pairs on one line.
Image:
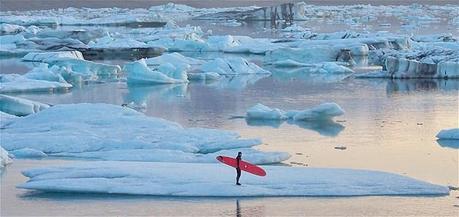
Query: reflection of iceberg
[[139, 94], [237, 82], [449, 143], [409, 85], [260, 122], [323, 127]]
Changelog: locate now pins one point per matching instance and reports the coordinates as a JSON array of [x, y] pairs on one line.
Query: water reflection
[[323, 127], [238, 82], [138, 95], [448, 143], [412, 85]]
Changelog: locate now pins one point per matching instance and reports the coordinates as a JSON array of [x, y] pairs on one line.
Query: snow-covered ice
[[20, 83], [167, 179], [105, 131], [19, 106]]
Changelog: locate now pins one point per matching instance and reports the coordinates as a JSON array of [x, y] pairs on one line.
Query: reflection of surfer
[[238, 169]]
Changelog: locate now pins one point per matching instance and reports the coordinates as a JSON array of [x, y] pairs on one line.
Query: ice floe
[[19, 106], [325, 111], [75, 65], [139, 73], [318, 118], [10, 83], [104, 131], [166, 179], [232, 66]]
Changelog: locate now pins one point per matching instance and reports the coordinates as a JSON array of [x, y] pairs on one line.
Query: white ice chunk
[[139, 73], [49, 57], [16, 83], [19, 106], [232, 66], [449, 134], [260, 111], [167, 179], [323, 111], [6, 28], [86, 128], [42, 72]]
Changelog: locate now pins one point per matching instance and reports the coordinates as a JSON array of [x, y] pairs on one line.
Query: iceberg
[[103, 131], [73, 66], [10, 83], [19, 106], [232, 66], [325, 111], [166, 179], [260, 111], [449, 138], [139, 73], [452, 133], [49, 57], [4, 158], [6, 28]]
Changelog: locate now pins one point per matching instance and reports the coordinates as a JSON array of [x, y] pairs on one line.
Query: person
[[238, 168]]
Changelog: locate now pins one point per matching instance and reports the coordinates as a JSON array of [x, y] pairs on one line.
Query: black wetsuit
[[238, 170]]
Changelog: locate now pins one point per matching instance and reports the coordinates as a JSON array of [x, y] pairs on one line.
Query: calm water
[[388, 126]]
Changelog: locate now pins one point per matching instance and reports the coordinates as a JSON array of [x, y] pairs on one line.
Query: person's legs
[[238, 176]]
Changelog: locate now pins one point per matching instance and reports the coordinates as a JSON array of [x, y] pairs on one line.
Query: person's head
[[239, 154]]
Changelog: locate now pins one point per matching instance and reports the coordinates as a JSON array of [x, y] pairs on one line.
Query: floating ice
[[28, 153], [49, 57], [449, 134], [166, 179], [19, 106], [113, 132], [260, 111], [139, 73], [6, 28], [4, 158], [325, 111], [232, 66], [73, 66], [17, 83]]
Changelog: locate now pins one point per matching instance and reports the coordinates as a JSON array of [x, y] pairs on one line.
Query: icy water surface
[[388, 126]]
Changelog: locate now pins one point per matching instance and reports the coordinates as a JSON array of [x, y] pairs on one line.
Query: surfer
[[238, 169]]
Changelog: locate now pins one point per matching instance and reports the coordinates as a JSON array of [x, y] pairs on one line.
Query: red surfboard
[[245, 166]]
